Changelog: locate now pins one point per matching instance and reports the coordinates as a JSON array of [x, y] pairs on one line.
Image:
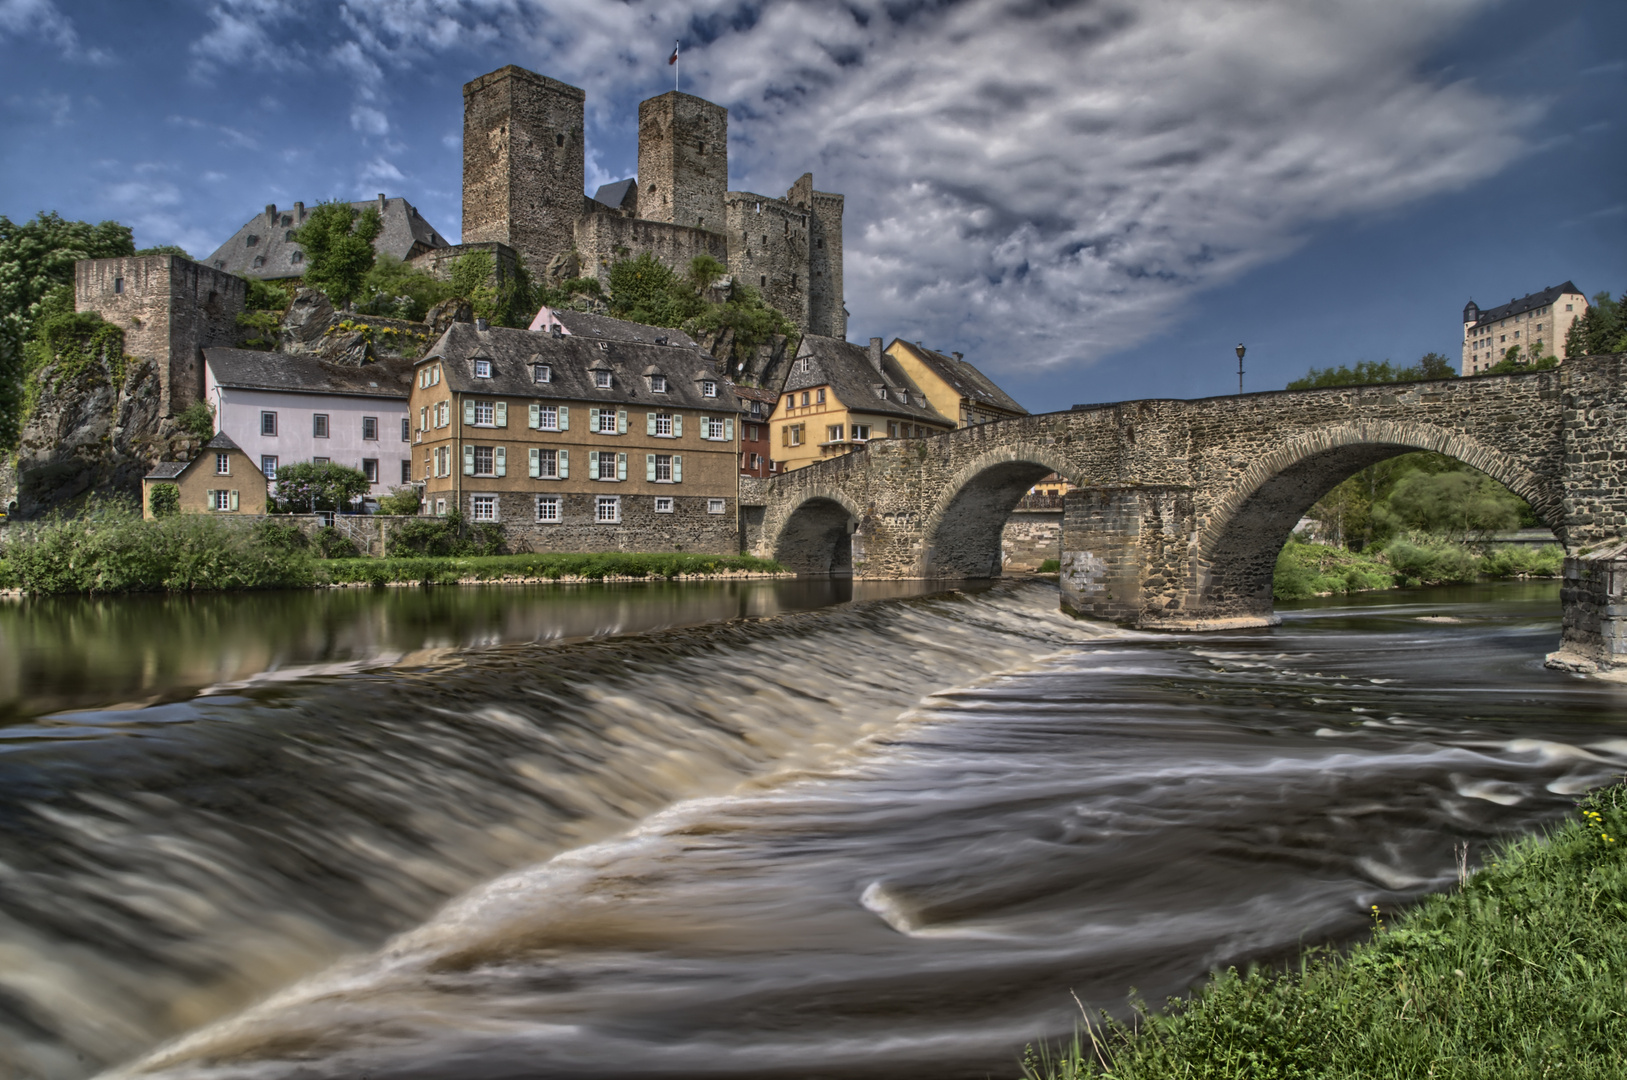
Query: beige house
[[220, 480], [838, 396], [1537, 322], [954, 387]]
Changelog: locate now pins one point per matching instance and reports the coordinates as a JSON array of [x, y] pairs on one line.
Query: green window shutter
[[621, 466], [728, 429], [677, 468], [564, 418], [233, 497], [677, 423], [500, 414], [649, 467], [536, 416], [564, 462], [468, 412], [536, 462], [706, 428], [500, 460], [649, 423], [468, 461], [210, 496], [621, 421], [593, 420]]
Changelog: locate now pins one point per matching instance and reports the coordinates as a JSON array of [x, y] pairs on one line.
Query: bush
[[164, 500], [330, 543], [594, 567], [306, 487], [1523, 562], [1431, 563], [1050, 566], [400, 291], [280, 536], [447, 536], [338, 243], [400, 500], [1318, 569], [197, 420]]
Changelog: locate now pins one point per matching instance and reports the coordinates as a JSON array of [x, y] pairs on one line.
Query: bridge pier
[[1594, 595]]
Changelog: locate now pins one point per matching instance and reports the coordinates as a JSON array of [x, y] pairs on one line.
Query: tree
[[1601, 329], [165, 249], [1456, 505], [306, 487], [1431, 365], [35, 258], [401, 500], [400, 291], [164, 500], [1514, 361], [646, 290], [338, 244]]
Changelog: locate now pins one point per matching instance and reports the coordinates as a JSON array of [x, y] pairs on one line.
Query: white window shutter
[[564, 418], [593, 420], [728, 429], [233, 503], [677, 423], [649, 423], [677, 468], [621, 421], [468, 412], [468, 461], [500, 460], [500, 414], [564, 462], [210, 496], [706, 427], [536, 416], [536, 462], [649, 467], [621, 466]]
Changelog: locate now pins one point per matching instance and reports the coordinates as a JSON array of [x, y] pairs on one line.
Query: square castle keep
[[523, 181]]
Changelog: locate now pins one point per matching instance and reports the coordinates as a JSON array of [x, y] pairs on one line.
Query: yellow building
[[954, 387], [838, 396], [220, 480], [1535, 324]]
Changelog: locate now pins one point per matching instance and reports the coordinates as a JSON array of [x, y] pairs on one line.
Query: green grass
[[1050, 566], [551, 566], [1520, 973], [1319, 569]]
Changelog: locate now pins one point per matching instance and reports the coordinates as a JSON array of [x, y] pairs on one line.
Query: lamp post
[[1240, 352]]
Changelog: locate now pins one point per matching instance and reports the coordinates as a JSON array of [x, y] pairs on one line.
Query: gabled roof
[[603, 327], [221, 441], [616, 194], [846, 369], [1528, 302], [167, 470], [405, 233], [963, 378], [250, 369], [571, 359]]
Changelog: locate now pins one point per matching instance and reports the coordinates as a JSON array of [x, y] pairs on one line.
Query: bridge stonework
[[1181, 507]]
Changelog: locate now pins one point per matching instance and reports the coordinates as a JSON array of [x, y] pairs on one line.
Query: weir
[[1180, 507]]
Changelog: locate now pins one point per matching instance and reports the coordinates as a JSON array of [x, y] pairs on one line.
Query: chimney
[[875, 353], [957, 356], [481, 324], [299, 212], [271, 212], [381, 204]]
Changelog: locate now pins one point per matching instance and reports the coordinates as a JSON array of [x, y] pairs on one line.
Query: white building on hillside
[[1537, 321]]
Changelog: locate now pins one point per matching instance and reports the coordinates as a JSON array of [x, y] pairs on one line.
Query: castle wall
[[523, 169], [827, 312], [438, 261], [768, 250], [604, 238], [683, 161], [170, 309]]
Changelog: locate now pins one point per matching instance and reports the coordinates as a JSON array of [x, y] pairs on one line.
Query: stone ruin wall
[[768, 250], [604, 238], [683, 161]]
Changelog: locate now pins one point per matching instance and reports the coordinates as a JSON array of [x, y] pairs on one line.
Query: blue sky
[[1093, 200]]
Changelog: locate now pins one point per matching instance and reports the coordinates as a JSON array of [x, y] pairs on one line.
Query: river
[[743, 830]]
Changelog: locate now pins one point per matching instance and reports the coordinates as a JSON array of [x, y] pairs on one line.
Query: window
[[220, 500], [268, 423], [544, 463], [762, 279], [708, 388], [320, 461], [756, 408], [715, 506], [547, 417], [370, 428], [406, 470], [860, 432], [440, 507], [542, 373], [485, 414], [713, 429], [607, 421], [751, 432], [482, 369], [601, 379], [892, 429], [259, 261], [819, 396], [658, 384], [484, 461], [223, 463], [297, 257], [663, 504], [268, 465], [118, 284], [289, 235], [1567, 307], [406, 429], [251, 241], [559, 140], [661, 468], [609, 465], [548, 508], [483, 507], [792, 434], [835, 433], [607, 509], [319, 425], [805, 365], [370, 469], [756, 461]]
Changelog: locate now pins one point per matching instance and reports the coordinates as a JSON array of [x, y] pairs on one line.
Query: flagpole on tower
[[674, 63]]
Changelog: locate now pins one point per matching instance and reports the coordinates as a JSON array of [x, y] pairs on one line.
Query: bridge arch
[[961, 533], [1238, 540], [815, 535]]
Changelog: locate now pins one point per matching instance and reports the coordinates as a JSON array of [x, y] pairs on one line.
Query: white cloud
[[43, 20], [246, 33], [227, 134], [369, 121], [378, 170]]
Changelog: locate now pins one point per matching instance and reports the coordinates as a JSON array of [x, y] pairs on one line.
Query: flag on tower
[[673, 59]]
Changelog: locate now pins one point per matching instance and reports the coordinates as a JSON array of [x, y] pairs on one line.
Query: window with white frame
[[819, 396], [606, 461], [663, 424], [547, 417], [483, 507], [607, 509], [221, 500], [482, 369], [445, 411], [708, 388], [658, 384], [321, 461], [268, 423], [485, 464], [663, 504], [268, 465], [833, 433], [715, 506], [440, 507], [370, 468], [319, 425], [714, 428], [663, 468], [370, 428], [607, 422], [547, 463], [223, 463], [548, 508], [756, 461], [860, 432], [601, 379], [542, 373], [485, 413]]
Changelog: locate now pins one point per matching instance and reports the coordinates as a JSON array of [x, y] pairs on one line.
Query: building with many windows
[[1536, 324], [756, 448], [575, 443], [282, 408], [954, 387]]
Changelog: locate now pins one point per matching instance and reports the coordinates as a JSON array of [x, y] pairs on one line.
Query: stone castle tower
[[523, 178]]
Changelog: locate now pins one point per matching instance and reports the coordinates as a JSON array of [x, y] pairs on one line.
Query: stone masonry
[[1181, 506], [683, 161]]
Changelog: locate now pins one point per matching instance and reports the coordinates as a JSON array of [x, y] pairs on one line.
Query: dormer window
[[252, 240], [482, 369], [542, 373], [708, 388], [658, 384], [601, 379], [297, 257]]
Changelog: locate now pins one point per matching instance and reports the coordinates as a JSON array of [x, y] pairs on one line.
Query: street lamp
[[1240, 352]]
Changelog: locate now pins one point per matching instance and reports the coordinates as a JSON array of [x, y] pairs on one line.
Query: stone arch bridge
[[1181, 507]]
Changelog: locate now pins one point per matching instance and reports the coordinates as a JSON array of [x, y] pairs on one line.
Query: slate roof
[[964, 378], [846, 369], [572, 358], [615, 195], [1528, 302], [167, 470], [603, 327], [405, 233], [251, 369], [221, 441]]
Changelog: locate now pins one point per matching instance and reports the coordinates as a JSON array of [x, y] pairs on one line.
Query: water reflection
[[75, 652]]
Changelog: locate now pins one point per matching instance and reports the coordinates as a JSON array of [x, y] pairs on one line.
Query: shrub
[[280, 536], [1050, 566], [164, 500], [306, 487], [1431, 563], [197, 420], [330, 543], [400, 500], [447, 536], [338, 243], [1523, 562]]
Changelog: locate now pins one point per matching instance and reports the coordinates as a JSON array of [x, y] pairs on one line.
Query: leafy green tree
[[646, 290], [398, 290], [165, 249], [1515, 361], [1458, 505], [400, 500], [1431, 365], [197, 420], [164, 500], [1601, 329], [338, 244], [305, 487], [35, 258]]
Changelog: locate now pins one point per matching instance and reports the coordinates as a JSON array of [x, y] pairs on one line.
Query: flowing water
[[878, 839]]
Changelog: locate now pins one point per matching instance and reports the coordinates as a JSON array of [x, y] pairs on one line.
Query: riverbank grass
[[1517, 974], [1306, 569]]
